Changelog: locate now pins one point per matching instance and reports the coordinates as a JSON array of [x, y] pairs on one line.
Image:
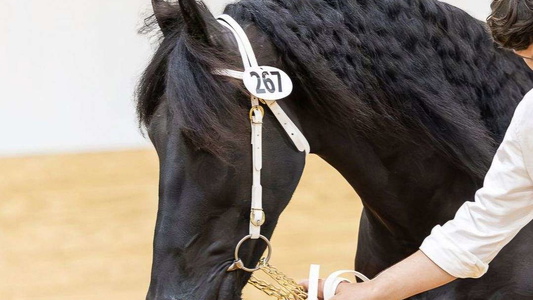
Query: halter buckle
[[257, 109], [255, 221]]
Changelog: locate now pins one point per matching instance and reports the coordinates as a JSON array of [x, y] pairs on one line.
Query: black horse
[[408, 99]]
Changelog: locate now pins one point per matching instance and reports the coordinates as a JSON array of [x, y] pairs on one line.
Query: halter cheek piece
[[257, 215]]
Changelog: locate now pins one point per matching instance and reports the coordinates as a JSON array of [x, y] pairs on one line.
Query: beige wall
[[217, 6], [477, 8], [67, 74]]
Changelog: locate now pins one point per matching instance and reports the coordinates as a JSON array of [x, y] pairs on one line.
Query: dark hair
[[511, 23]]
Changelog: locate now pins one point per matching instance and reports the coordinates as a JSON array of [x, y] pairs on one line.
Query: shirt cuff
[[450, 257]]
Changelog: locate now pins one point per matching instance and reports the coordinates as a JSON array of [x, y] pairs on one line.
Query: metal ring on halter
[[238, 264]]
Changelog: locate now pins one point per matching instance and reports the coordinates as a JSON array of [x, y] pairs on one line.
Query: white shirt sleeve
[[465, 246]]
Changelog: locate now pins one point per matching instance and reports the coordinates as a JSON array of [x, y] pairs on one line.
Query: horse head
[[199, 125]]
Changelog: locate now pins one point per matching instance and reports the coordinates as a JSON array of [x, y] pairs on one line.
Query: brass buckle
[[254, 109]]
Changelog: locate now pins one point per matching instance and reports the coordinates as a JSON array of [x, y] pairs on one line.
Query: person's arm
[[412, 276], [464, 246]]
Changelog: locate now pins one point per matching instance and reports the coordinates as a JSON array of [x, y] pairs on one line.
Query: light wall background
[[68, 70]]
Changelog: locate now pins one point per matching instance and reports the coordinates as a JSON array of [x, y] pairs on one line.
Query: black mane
[[419, 70]]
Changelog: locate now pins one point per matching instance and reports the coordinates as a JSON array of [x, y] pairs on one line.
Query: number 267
[[267, 82]]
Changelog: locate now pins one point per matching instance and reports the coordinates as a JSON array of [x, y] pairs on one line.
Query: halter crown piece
[[288, 289]]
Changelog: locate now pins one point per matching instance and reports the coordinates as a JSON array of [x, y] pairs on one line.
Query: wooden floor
[[80, 227]]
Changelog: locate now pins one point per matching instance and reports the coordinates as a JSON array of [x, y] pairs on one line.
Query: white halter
[[257, 216]]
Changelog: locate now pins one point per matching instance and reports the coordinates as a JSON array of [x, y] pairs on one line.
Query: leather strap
[[229, 73], [332, 282], [257, 215], [297, 137], [314, 276], [245, 47], [249, 60], [294, 133], [330, 285]]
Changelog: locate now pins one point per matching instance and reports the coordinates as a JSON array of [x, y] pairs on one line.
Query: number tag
[[268, 83]]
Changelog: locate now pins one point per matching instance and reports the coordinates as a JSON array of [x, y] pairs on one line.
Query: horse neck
[[405, 187]]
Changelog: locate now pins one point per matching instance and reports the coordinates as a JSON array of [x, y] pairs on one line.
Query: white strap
[[257, 215], [249, 60], [240, 44], [332, 282], [292, 130], [229, 73], [241, 35], [314, 275], [330, 285]]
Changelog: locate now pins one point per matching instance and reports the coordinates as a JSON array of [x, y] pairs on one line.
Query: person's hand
[[348, 291], [414, 275]]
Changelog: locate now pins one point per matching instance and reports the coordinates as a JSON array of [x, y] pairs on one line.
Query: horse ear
[[199, 22], [167, 16]]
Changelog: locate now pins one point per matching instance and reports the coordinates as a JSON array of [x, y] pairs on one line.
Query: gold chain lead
[[288, 289]]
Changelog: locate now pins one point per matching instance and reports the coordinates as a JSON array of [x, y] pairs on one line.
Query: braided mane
[[415, 70]]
